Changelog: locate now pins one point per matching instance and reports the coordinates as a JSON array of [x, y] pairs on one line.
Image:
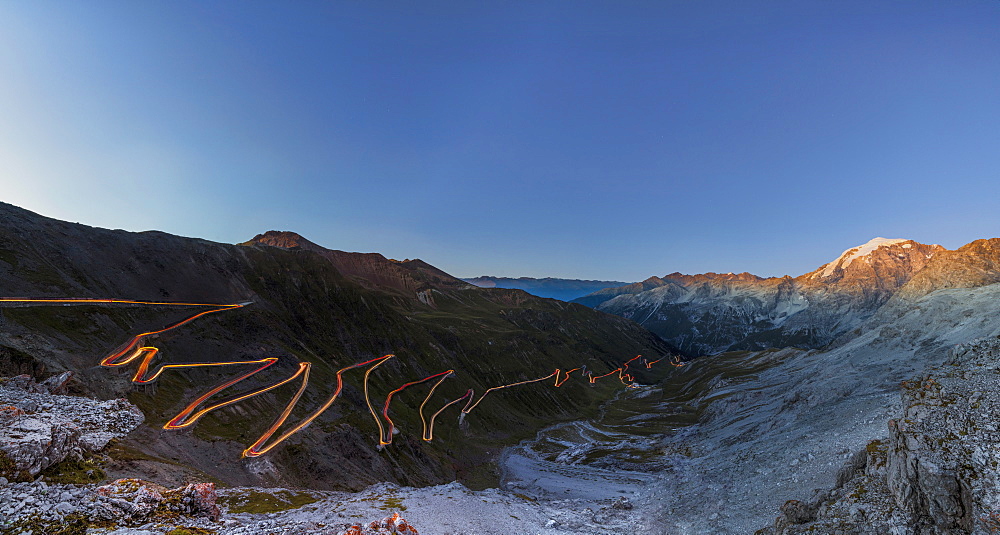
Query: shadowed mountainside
[[303, 309], [370, 270]]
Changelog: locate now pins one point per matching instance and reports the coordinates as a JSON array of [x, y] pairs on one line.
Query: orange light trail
[[566, 378], [594, 378], [132, 351], [112, 359], [87, 301], [179, 422], [626, 378], [468, 409], [429, 430], [257, 450], [378, 422], [388, 399], [624, 375], [649, 363]]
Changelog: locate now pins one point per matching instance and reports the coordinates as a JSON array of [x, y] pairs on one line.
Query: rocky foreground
[[51, 462], [939, 471], [40, 428], [936, 473], [134, 507]]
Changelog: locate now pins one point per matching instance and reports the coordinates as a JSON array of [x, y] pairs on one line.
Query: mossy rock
[[84, 471], [8, 469], [7, 466], [265, 502], [73, 524], [191, 531]]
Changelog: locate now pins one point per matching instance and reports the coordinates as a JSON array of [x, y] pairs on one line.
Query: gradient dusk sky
[[610, 140]]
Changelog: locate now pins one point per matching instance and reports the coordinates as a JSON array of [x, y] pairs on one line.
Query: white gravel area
[[450, 509]]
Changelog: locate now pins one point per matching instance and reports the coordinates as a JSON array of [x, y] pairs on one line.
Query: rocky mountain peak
[[880, 263], [847, 257], [371, 270], [972, 265], [742, 277], [750, 312], [703, 278], [286, 239]]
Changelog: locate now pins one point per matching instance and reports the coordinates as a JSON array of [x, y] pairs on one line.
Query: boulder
[[135, 501], [390, 525], [39, 429]]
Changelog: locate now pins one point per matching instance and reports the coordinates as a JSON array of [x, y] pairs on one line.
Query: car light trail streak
[[378, 422], [257, 450], [594, 378], [179, 422], [564, 379], [112, 359], [429, 430], [469, 408], [388, 399]]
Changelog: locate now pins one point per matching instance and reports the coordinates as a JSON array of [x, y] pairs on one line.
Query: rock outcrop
[[390, 525], [939, 471], [39, 429], [43, 508], [133, 501], [137, 507]]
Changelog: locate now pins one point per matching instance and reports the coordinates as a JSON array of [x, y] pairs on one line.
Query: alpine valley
[[861, 397], [841, 421]]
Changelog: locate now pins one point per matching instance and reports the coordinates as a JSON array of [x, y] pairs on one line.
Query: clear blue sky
[[612, 140]]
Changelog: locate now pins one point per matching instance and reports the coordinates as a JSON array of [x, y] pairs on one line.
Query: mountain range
[[712, 312]]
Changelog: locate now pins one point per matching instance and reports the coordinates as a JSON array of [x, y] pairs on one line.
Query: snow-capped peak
[[849, 255]]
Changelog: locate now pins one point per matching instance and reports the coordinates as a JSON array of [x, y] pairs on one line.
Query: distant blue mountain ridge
[[563, 289]]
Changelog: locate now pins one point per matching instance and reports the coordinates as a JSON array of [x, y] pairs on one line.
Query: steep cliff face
[[303, 309], [709, 313]]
